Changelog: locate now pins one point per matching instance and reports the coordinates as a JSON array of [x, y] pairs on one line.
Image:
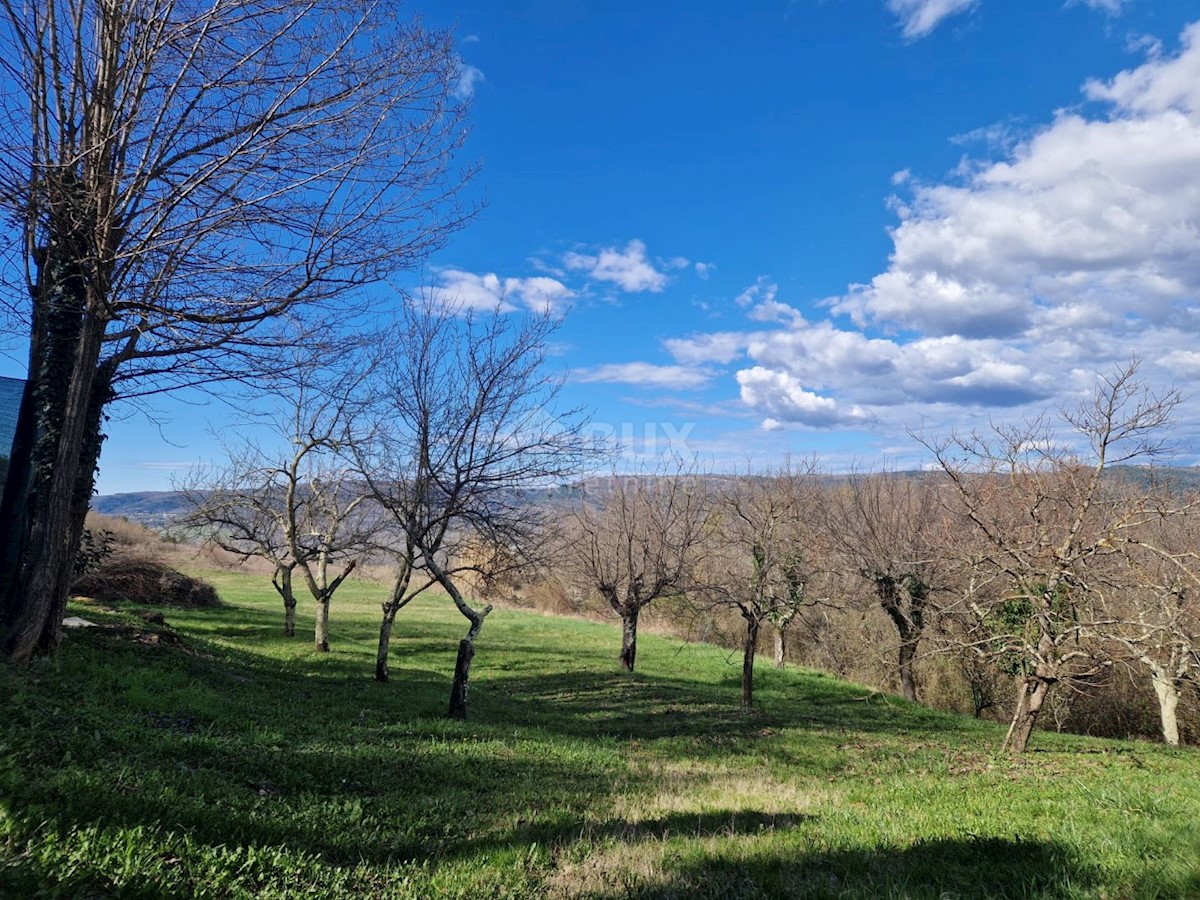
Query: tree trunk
[[908, 681], [780, 648], [321, 636], [385, 638], [53, 504], [283, 585], [1029, 705], [466, 647], [629, 623], [462, 675], [1168, 702], [14, 511], [748, 651], [58, 435]]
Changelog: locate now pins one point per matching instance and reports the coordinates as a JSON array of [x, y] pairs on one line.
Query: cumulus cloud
[[1095, 215], [645, 374], [704, 270], [1161, 85], [470, 291], [1013, 281], [785, 399], [629, 268], [920, 17]]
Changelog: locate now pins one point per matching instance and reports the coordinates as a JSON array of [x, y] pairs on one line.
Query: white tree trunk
[[1168, 701]]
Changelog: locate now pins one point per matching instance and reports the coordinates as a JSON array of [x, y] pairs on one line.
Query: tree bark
[[53, 503], [58, 439], [629, 624], [283, 585], [1168, 702], [462, 675], [1032, 695], [321, 634], [385, 639], [780, 648], [748, 652], [908, 628]]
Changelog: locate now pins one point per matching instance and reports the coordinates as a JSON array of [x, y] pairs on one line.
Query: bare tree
[[182, 182], [294, 503], [1156, 614], [636, 541], [890, 530], [763, 559], [466, 427], [243, 518], [1045, 521]]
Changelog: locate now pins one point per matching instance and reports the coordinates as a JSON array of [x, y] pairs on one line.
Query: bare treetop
[[221, 163]]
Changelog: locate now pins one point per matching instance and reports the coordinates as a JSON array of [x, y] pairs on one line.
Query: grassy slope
[[232, 762]]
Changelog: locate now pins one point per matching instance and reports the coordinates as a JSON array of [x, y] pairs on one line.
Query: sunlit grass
[[217, 758]]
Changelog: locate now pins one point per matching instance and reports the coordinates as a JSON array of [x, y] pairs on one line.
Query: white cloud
[[645, 374], [774, 311], [763, 290], [705, 270], [1112, 7], [785, 399], [920, 17], [1012, 282], [1097, 216], [629, 269], [720, 347], [468, 79], [1159, 85], [1001, 136], [488, 292]]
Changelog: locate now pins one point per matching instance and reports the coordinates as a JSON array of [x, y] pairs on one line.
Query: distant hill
[[158, 509], [155, 509]]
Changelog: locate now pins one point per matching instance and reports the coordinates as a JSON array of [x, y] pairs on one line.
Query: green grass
[[217, 758]]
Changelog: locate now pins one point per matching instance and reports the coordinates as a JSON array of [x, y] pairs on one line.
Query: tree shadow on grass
[[560, 831], [590, 704], [942, 869]]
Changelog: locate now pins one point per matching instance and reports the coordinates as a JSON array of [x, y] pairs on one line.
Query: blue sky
[[808, 226]]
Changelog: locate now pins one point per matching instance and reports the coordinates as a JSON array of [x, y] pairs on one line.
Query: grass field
[[216, 758]]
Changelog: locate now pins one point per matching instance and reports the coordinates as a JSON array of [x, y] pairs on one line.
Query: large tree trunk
[[749, 649], [1167, 692], [58, 437], [462, 676], [629, 623], [1031, 697], [780, 647], [51, 504], [385, 638], [321, 633]]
